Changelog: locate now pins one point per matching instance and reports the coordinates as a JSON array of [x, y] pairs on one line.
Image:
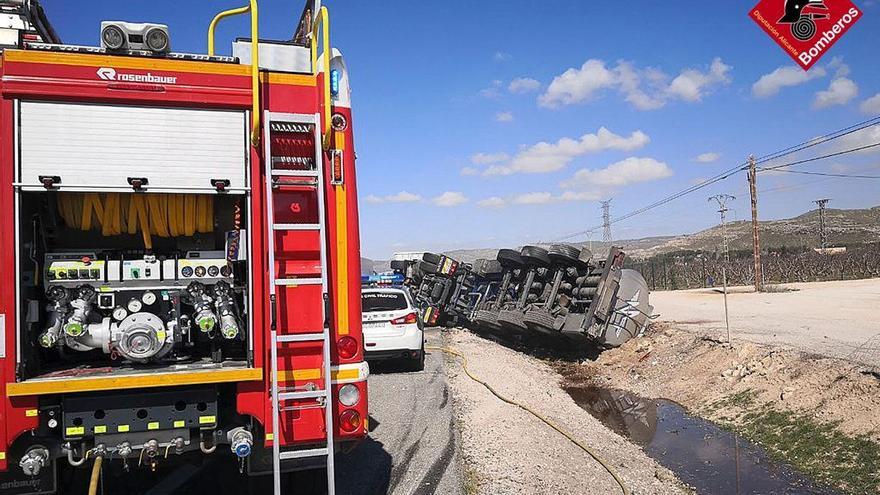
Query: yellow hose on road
[[164, 215], [569, 436], [96, 475]]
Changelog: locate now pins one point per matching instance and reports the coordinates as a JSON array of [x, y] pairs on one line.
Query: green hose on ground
[[464, 365]]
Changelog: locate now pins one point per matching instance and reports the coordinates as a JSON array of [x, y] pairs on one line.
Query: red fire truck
[[179, 250]]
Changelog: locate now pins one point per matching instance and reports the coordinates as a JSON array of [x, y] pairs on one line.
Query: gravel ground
[[831, 319], [508, 451]]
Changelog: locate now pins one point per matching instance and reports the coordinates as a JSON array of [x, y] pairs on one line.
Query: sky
[[500, 123]]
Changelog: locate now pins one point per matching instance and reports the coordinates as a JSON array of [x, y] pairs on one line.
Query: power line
[[744, 166], [823, 157], [824, 174]]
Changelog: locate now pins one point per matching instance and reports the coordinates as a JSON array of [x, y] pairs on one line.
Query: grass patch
[[471, 482], [819, 450]]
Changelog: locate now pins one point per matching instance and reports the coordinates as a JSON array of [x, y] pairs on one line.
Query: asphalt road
[[413, 447]]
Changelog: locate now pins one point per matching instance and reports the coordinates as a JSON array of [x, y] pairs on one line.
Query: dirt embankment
[[820, 414], [505, 450]]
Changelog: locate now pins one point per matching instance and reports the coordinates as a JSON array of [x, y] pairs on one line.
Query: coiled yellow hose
[[551, 424], [164, 215]]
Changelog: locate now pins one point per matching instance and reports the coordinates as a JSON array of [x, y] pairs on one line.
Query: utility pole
[[606, 223], [722, 200], [823, 235], [756, 234]]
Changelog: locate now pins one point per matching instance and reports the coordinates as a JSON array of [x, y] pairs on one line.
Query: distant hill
[[843, 227]]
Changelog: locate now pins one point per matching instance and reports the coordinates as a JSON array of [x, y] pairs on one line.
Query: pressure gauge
[[213, 271], [135, 305], [148, 298], [119, 313], [200, 271]]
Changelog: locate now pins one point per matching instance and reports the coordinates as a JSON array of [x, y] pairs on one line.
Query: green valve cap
[[73, 329], [206, 324], [47, 340], [229, 331]]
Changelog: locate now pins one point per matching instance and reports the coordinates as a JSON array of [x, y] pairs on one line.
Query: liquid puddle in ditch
[[701, 454]]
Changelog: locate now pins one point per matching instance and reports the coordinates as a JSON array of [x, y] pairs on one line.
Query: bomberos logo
[[806, 29]]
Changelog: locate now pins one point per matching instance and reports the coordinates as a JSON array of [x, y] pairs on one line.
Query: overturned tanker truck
[[557, 293]]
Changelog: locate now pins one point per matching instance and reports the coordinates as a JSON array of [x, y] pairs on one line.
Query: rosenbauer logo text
[[806, 29], [109, 74]]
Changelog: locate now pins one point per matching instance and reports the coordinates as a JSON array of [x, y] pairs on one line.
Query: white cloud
[[578, 85], [840, 92], [644, 89], [449, 199], [493, 202], [401, 197], [469, 171], [691, 85], [580, 196], [871, 106], [784, 77], [708, 157], [630, 171], [489, 158], [504, 117], [493, 91], [535, 198], [550, 157], [502, 57], [698, 181], [523, 85]]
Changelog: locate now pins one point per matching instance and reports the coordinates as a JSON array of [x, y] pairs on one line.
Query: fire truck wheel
[[432, 258], [535, 256]]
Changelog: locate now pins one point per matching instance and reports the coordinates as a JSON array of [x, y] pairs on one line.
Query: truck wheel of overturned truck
[[432, 258], [512, 321], [509, 259], [487, 320], [564, 254], [426, 267], [541, 321], [535, 256]]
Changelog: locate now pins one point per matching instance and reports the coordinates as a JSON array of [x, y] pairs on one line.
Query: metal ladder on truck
[[313, 175]]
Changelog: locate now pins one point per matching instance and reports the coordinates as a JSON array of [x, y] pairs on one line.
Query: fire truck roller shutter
[[95, 147]]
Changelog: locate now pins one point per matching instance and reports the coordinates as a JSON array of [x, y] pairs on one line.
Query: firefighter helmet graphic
[[802, 16]]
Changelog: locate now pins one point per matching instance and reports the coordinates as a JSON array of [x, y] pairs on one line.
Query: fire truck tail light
[[347, 347], [349, 421], [349, 395], [336, 157], [406, 320]]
